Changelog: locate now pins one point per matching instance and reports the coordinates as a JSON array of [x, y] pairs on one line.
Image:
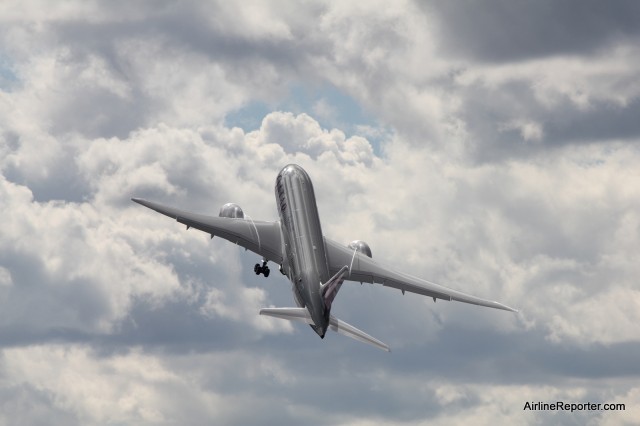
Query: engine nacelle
[[231, 210], [361, 246]]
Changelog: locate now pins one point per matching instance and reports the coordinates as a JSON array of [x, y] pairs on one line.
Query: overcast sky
[[490, 146]]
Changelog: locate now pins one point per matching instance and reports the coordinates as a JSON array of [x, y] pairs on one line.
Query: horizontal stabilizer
[[345, 329], [291, 314], [339, 326]]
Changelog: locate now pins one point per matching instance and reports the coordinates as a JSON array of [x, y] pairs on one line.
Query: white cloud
[[303, 134], [70, 266]]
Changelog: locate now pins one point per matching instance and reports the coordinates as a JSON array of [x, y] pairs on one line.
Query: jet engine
[[231, 210], [360, 246]]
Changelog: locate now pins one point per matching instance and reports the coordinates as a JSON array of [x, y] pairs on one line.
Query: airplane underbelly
[[304, 242], [297, 297]]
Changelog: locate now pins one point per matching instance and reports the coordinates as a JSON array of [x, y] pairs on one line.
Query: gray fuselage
[[304, 255]]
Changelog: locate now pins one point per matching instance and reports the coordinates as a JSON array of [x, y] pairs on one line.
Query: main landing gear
[[264, 269]]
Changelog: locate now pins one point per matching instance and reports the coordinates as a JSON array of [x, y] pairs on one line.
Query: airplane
[[316, 265]]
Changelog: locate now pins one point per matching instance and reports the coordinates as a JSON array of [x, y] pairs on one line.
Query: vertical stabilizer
[[330, 289]]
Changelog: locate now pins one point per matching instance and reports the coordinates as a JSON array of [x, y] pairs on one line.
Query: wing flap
[[260, 237]]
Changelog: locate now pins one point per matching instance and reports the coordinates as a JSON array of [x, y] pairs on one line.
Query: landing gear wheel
[[264, 269]]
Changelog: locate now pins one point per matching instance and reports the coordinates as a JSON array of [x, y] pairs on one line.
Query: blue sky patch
[[249, 117], [329, 106], [8, 78]]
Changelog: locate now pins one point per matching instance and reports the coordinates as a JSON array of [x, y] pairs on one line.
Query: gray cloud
[[496, 30], [499, 117], [26, 404]]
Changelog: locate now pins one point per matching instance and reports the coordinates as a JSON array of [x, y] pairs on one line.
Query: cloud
[[530, 131], [509, 174], [494, 31]]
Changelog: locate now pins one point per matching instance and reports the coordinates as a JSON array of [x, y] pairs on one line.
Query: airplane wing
[[260, 237], [365, 269]]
